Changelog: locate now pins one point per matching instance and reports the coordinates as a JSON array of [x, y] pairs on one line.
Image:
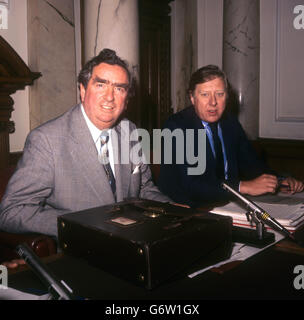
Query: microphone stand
[[260, 228], [259, 216], [58, 289]]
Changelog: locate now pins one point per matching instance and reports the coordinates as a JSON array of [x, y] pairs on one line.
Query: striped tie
[[104, 157]]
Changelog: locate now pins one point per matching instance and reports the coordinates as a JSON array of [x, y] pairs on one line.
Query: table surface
[[268, 275]]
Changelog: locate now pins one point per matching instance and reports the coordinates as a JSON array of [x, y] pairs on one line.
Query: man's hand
[[266, 183], [291, 186], [14, 263]]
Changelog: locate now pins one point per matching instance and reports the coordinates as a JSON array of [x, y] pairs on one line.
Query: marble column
[[184, 50], [241, 59], [112, 24], [51, 43]]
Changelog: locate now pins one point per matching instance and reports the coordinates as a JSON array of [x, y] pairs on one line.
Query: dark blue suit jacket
[[197, 190]]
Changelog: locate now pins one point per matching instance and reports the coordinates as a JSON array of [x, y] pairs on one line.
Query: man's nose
[[109, 93], [213, 101]]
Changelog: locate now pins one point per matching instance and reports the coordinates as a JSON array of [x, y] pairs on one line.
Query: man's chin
[[105, 124], [211, 119]]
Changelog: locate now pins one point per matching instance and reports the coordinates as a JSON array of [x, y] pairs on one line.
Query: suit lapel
[[193, 121], [120, 137], [84, 152]]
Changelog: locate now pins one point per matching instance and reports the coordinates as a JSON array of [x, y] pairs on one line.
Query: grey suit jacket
[[59, 172]]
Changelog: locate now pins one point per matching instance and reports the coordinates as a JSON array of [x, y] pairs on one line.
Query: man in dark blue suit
[[229, 154]]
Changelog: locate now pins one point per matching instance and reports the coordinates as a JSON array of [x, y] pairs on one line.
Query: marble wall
[[241, 58], [112, 24], [51, 43], [196, 39], [210, 32], [184, 50]]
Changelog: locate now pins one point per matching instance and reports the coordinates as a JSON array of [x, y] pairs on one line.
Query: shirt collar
[[95, 132], [206, 124]]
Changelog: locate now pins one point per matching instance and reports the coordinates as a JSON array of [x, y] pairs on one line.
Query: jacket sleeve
[[148, 189], [24, 207]]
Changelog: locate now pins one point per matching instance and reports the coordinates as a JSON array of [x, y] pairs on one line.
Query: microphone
[[57, 288], [259, 212]]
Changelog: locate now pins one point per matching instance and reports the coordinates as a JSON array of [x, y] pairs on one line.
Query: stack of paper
[[287, 210]]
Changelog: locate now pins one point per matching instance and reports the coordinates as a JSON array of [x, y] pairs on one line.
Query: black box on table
[[145, 241]]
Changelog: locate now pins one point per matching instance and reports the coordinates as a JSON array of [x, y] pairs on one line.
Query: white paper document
[[287, 210], [13, 294]]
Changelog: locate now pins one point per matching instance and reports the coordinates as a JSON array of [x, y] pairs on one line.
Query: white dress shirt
[[95, 132]]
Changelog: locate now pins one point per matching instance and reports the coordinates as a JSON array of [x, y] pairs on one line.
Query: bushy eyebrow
[[116, 84], [208, 92], [220, 90]]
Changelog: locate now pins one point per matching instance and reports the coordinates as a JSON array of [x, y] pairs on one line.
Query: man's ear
[[82, 92], [191, 98]]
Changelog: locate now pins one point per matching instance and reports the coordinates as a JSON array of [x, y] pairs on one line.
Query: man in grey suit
[[60, 170]]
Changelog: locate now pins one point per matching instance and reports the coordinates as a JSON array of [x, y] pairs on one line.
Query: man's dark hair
[[105, 56], [204, 74]]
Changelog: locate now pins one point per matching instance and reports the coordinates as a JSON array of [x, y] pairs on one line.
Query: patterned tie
[[220, 172], [104, 157]]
